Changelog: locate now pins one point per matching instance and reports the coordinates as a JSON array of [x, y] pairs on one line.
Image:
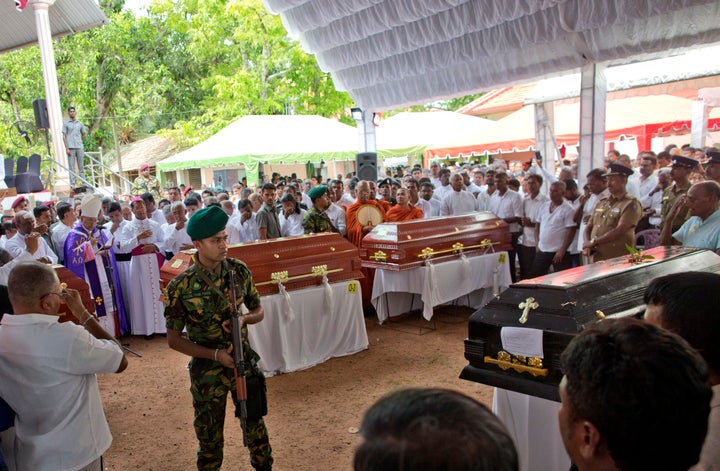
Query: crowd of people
[[119, 245], [554, 224]]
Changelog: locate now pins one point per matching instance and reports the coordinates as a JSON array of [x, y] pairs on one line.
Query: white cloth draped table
[[392, 290], [314, 335], [533, 424]]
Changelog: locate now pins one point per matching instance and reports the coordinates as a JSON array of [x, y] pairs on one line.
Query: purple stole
[[79, 258]]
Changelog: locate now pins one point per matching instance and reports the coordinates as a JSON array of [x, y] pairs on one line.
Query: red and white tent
[[642, 118]]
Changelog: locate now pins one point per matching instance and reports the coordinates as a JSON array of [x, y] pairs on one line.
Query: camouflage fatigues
[[316, 221], [191, 304], [670, 194], [141, 186]]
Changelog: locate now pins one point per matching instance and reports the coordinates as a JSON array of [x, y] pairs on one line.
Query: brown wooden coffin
[[406, 245], [559, 306], [297, 262], [74, 282]]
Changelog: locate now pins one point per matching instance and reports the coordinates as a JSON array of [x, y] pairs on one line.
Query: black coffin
[[562, 304]]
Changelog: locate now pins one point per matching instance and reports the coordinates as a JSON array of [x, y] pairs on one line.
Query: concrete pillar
[[593, 93], [52, 94], [698, 134], [545, 135]]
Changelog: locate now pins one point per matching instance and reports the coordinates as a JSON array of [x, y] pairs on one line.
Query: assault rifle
[[238, 357]]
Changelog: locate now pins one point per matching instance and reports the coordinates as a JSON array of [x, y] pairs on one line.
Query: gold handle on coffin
[[379, 256], [457, 247], [282, 276], [519, 367]]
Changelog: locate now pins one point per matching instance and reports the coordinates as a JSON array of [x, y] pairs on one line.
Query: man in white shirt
[[152, 211], [555, 232], [531, 208], [597, 182], [243, 228], [507, 205], [25, 223], [426, 193], [176, 236], [444, 189], [458, 201], [470, 187], [67, 219], [646, 181], [413, 188], [49, 374]]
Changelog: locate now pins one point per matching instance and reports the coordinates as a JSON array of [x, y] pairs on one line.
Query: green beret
[[206, 222], [316, 192]]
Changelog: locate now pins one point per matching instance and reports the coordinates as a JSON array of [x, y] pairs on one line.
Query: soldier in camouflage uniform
[[316, 219], [199, 300]]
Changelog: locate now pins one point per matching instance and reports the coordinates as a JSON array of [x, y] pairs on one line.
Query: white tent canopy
[[391, 53], [252, 140], [411, 133]]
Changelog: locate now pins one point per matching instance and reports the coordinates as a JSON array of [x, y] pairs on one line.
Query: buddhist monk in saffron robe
[[356, 232], [403, 211]]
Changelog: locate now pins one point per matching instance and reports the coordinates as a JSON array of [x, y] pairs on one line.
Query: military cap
[[17, 201], [317, 191], [619, 169], [384, 181], [713, 157], [684, 162], [206, 222], [144, 167]]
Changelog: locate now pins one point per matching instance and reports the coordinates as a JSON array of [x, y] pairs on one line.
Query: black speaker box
[[41, 113], [366, 166]]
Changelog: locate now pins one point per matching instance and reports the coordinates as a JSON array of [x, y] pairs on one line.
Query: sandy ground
[[313, 414]]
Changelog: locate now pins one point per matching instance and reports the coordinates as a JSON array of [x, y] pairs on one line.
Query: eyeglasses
[[61, 294]]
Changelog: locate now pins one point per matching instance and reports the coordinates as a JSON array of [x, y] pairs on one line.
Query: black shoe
[[149, 337]]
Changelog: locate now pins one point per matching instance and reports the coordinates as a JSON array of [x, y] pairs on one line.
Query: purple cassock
[[83, 259]]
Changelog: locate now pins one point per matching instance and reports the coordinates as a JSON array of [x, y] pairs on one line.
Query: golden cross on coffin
[[527, 306]]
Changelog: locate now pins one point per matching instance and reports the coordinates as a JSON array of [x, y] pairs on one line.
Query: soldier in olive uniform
[[316, 219], [682, 168], [612, 224], [199, 300]]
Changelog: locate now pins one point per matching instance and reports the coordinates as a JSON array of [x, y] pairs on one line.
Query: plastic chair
[[9, 172], [29, 181], [650, 238], [22, 165]]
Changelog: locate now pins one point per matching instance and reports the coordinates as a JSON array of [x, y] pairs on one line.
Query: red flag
[[20, 4]]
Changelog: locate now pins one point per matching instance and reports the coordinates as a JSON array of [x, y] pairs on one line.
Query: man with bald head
[[48, 371], [702, 229], [356, 231], [25, 223]]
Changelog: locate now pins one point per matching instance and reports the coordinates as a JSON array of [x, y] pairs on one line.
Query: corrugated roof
[[145, 151], [66, 17]]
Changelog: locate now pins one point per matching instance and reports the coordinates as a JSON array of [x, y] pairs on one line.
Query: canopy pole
[[366, 132], [593, 94], [698, 134], [52, 95], [545, 137]]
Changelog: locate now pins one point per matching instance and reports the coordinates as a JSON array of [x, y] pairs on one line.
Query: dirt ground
[[313, 414]]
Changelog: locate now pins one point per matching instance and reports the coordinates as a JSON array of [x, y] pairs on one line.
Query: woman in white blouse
[[291, 217]]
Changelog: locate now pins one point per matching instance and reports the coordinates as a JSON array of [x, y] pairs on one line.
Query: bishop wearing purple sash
[[87, 255]]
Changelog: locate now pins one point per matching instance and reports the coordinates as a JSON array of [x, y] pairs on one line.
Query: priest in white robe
[[144, 239]]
